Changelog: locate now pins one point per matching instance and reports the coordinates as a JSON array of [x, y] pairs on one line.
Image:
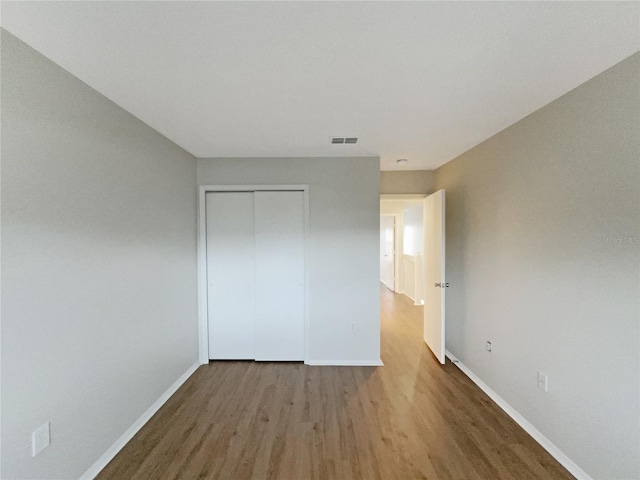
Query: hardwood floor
[[411, 419]]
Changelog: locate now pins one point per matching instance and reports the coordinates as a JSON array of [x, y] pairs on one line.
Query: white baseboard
[[346, 363], [386, 285], [102, 462], [555, 452]]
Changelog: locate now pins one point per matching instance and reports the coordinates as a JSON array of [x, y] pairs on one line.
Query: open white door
[[434, 278]]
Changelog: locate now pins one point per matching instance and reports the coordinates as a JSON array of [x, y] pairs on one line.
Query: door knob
[[441, 285]]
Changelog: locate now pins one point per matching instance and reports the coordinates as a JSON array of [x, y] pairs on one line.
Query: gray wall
[[344, 199], [407, 181], [534, 215], [98, 266]]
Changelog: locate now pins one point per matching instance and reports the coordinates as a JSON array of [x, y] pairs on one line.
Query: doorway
[[419, 258], [405, 211]]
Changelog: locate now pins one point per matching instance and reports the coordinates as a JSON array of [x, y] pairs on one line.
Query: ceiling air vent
[[343, 140]]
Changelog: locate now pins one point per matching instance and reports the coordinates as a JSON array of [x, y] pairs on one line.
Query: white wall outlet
[[488, 346], [40, 439], [542, 381]]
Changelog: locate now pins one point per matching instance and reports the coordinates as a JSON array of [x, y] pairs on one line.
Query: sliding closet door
[[230, 275], [279, 275]]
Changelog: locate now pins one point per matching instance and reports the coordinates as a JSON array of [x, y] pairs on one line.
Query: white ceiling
[[424, 81]]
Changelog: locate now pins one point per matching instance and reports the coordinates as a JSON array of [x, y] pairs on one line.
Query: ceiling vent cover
[[343, 140]]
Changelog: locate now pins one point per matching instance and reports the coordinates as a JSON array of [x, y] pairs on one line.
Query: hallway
[[411, 419]]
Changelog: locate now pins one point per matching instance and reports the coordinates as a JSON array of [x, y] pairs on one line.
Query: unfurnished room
[[320, 240]]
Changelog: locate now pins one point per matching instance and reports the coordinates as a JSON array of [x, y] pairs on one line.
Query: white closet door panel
[[279, 275], [230, 275]]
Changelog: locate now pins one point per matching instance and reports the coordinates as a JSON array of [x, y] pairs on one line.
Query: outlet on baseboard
[[40, 439], [543, 383]]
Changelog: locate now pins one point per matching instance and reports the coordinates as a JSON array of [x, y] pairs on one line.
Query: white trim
[[409, 297], [402, 196], [554, 451], [397, 250], [346, 363], [203, 327], [253, 188], [386, 285], [307, 262], [107, 456]]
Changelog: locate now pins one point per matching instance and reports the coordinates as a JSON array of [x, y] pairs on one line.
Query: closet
[[255, 275]]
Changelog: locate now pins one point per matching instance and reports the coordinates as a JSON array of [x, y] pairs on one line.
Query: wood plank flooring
[[411, 419]]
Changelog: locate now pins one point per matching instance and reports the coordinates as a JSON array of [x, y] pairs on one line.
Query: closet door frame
[[203, 321]]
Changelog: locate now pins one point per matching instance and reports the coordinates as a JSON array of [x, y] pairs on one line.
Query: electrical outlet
[[488, 346], [543, 383], [353, 325], [40, 439]]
